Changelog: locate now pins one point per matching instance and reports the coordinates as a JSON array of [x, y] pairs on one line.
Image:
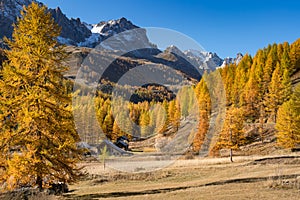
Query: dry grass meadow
[[249, 177]]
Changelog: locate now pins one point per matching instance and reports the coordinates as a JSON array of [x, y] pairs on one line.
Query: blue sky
[[225, 27]]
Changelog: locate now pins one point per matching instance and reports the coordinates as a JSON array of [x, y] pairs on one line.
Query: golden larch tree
[[204, 104], [37, 137], [145, 124], [288, 121], [232, 136], [295, 55]]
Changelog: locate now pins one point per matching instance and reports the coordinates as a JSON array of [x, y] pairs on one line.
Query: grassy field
[[276, 177]]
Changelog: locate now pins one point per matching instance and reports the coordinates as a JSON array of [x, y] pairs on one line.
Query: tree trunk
[[39, 182], [230, 154], [230, 141]]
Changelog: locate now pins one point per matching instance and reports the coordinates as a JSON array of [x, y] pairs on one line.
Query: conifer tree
[[134, 113], [158, 118], [232, 136], [279, 90], [204, 103], [228, 76], [295, 56], [202, 131], [273, 98], [174, 114], [286, 83], [177, 116], [241, 78], [288, 122], [183, 98], [286, 86], [280, 51], [144, 123], [126, 124], [116, 131], [165, 116], [285, 61], [270, 66], [37, 137], [107, 126], [253, 92], [171, 110]]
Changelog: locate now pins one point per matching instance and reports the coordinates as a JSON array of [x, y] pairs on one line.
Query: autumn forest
[[38, 136]]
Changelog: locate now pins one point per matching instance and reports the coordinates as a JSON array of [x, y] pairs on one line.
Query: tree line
[[141, 120], [259, 91]]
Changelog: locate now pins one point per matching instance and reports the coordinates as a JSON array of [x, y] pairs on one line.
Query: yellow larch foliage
[[37, 137], [288, 121]]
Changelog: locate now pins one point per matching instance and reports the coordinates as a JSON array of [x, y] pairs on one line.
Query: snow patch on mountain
[[97, 29], [121, 33], [203, 60], [195, 53]]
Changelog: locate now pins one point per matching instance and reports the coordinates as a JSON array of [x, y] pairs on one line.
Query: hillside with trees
[[259, 91], [259, 95], [38, 136]]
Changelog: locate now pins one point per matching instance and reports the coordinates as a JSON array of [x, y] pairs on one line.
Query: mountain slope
[[9, 11], [114, 35], [73, 30]]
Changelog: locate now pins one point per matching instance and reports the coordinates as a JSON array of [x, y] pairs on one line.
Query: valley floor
[[249, 177]]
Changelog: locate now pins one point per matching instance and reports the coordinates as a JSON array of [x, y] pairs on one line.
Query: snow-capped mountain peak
[[195, 53], [203, 59], [107, 29], [123, 35], [112, 27]]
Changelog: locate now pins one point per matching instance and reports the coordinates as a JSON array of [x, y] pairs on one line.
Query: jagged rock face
[[198, 59], [122, 34], [73, 30], [113, 27], [175, 50], [236, 60], [127, 41], [204, 60], [117, 35], [212, 61], [9, 11]]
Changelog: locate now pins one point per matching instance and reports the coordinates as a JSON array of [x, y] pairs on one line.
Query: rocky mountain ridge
[[73, 30], [9, 11], [115, 35]]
